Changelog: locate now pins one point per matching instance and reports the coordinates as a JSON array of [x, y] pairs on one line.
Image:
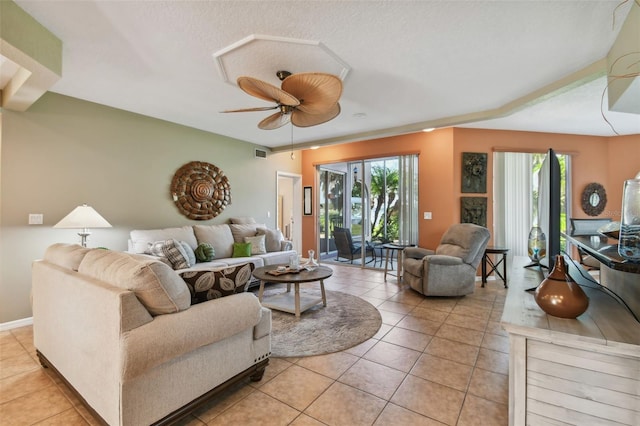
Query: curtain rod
[[532, 150]]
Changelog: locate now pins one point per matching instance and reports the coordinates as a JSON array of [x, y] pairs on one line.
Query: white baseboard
[[16, 324]]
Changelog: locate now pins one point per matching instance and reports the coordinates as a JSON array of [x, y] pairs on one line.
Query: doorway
[[289, 207]]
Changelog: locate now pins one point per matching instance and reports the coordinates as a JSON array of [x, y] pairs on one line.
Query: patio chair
[[349, 250]]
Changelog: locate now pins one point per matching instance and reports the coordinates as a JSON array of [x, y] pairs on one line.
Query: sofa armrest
[[286, 245], [170, 335], [263, 328]]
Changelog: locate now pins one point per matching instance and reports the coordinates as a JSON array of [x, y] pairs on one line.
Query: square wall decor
[[474, 172], [473, 210]]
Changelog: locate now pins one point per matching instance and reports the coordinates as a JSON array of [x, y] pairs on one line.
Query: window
[[515, 200]]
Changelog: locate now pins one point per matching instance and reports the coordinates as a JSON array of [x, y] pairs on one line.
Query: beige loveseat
[[275, 249], [121, 330]]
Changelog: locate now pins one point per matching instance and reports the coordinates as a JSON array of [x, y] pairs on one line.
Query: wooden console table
[[584, 371]]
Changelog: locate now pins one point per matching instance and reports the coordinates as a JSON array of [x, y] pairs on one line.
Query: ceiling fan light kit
[[304, 99]]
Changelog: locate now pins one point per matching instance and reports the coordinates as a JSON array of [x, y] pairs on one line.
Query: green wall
[[64, 152]]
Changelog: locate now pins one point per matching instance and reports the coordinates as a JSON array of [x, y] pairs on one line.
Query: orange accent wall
[[624, 163], [608, 161]]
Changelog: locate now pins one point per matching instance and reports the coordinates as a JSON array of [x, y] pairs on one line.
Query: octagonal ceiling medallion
[[261, 56]]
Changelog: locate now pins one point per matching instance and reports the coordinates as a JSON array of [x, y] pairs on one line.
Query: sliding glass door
[[331, 214], [376, 202]]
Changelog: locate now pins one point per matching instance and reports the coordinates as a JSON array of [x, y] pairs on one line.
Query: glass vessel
[[312, 264], [537, 244], [629, 240], [294, 262]]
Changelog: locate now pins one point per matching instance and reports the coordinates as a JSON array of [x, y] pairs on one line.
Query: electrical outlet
[[427, 215], [35, 218]]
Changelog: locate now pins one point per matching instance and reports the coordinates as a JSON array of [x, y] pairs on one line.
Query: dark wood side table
[[493, 264]]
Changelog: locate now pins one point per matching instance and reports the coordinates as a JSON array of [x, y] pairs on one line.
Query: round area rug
[[345, 322]]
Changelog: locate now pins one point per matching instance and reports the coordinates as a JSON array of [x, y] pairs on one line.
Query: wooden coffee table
[[293, 303]]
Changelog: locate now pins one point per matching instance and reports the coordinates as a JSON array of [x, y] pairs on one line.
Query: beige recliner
[[450, 270]]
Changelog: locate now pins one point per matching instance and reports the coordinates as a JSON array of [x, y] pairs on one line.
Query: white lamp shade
[[83, 216]]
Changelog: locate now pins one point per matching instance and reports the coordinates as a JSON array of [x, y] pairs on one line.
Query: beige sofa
[[121, 331], [222, 237]]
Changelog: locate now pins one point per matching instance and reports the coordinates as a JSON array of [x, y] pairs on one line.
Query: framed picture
[[474, 172], [473, 210], [308, 201]]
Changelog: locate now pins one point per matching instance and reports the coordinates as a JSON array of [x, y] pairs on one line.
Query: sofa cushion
[[66, 255], [140, 239], [155, 284], [257, 244], [215, 283], [172, 250], [241, 250], [219, 236], [273, 238], [241, 220], [239, 231]]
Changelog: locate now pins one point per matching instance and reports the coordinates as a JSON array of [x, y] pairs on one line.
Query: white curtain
[[408, 194], [512, 201]]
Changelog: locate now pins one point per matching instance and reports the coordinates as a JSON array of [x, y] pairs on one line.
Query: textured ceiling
[[413, 64]]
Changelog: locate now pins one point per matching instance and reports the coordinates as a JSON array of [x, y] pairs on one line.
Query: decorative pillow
[[172, 250], [215, 283], [140, 239], [205, 252], [191, 256], [273, 238], [241, 250], [257, 244]]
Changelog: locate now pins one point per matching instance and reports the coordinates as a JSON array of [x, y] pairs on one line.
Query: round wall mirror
[[594, 199]]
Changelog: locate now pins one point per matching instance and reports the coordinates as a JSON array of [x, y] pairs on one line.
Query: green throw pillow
[[241, 250], [205, 252]]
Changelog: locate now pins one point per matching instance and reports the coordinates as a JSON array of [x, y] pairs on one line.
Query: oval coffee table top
[[320, 273]]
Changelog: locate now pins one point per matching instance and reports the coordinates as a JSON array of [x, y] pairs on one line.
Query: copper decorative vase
[[559, 295]]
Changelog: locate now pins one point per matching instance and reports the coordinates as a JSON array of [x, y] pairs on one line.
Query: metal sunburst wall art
[[200, 190]]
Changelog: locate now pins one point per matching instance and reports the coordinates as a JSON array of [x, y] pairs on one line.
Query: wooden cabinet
[[584, 371]]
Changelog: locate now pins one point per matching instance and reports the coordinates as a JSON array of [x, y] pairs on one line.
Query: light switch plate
[[427, 215]]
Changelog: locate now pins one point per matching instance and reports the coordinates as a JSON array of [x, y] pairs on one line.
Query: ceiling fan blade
[[274, 121], [252, 109], [317, 92], [268, 92], [303, 119]]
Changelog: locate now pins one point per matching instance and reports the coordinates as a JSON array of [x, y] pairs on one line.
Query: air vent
[[261, 153]]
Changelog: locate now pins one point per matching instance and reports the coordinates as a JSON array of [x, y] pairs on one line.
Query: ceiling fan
[[304, 99]]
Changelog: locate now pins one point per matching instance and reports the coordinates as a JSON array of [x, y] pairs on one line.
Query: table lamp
[[83, 217]]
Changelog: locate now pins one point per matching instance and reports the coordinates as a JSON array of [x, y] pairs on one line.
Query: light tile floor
[[434, 361]]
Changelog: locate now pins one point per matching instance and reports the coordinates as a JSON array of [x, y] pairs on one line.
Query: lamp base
[[83, 236]]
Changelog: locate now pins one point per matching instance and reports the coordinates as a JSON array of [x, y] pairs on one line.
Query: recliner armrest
[[442, 259], [417, 252]]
